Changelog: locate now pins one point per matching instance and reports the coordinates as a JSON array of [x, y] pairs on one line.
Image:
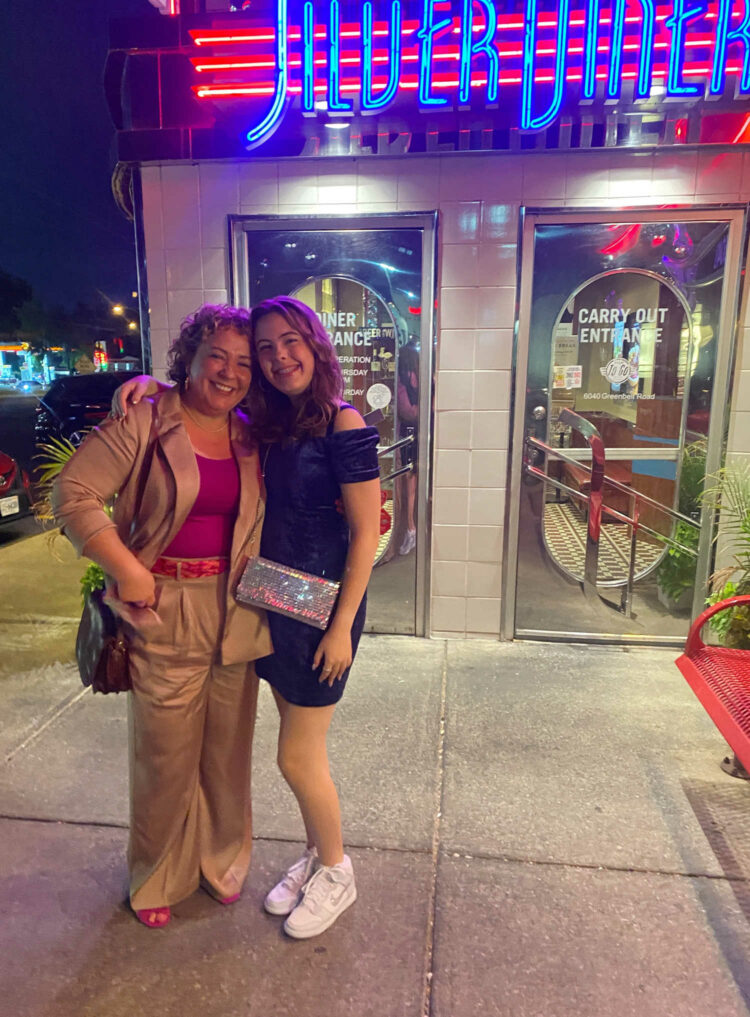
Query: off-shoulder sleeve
[[354, 455]]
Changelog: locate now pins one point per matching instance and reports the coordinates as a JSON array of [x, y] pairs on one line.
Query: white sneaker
[[284, 896], [409, 542], [327, 894]]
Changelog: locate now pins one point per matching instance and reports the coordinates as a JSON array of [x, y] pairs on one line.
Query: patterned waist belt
[[189, 568]]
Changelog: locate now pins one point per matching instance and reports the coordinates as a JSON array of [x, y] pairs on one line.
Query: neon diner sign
[[460, 53]]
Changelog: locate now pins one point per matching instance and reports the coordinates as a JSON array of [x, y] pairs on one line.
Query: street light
[[132, 326], [118, 309]]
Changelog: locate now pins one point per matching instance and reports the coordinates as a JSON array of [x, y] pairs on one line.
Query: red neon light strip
[[222, 64], [441, 53], [353, 31], [745, 127]]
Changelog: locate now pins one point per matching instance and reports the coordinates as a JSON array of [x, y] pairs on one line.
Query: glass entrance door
[[370, 279], [621, 392]]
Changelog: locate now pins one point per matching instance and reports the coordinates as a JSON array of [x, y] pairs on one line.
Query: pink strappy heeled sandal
[[154, 918]]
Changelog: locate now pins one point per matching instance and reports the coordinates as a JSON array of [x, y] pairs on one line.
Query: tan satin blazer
[[110, 462]]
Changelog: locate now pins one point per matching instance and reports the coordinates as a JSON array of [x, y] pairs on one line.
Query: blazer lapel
[[179, 454], [251, 507]]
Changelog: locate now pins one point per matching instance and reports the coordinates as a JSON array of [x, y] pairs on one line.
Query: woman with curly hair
[[188, 512], [319, 463]]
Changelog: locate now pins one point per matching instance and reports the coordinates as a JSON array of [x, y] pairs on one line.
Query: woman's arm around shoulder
[[131, 392]]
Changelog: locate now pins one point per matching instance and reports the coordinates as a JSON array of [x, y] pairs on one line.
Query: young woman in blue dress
[[319, 463]]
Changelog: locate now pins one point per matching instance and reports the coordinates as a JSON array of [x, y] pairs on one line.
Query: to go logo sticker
[[616, 371]]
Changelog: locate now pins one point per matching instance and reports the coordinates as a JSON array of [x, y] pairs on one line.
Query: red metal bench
[[720, 678]]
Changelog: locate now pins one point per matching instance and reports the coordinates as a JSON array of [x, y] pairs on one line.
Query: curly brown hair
[[196, 328], [272, 415]]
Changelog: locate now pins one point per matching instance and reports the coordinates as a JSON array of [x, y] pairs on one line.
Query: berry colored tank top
[[207, 531]]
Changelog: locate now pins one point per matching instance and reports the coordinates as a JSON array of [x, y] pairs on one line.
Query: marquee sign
[[338, 77], [428, 57]]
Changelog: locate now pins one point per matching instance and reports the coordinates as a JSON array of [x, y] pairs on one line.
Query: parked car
[[75, 403], [15, 492]]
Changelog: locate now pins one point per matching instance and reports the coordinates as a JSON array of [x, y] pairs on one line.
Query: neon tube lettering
[[591, 41], [614, 79], [676, 25], [426, 34], [369, 101], [529, 122], [335, 102], [724, 35], [308, 57], [483, 44], [646, 56], [272, 118]]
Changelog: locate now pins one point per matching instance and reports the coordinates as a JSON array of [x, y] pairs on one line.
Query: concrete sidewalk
[[537, 831]]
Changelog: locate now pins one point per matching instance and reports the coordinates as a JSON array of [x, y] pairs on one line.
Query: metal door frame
[[241, 225], [735, 216]]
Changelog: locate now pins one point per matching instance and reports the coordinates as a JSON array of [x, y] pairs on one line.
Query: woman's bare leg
[[303, 761]]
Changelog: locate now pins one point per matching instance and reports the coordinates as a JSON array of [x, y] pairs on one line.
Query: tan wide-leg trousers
[[191, 724]]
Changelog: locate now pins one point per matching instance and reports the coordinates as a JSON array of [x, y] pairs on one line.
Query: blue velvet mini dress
[[304, 528]]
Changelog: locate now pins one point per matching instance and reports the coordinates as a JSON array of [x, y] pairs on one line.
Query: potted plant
[[53, 455], [731, 495]]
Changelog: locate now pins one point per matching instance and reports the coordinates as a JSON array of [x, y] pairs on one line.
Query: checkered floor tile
[[565, 539]]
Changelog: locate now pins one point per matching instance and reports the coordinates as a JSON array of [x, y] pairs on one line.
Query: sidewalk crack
[[50, 719]]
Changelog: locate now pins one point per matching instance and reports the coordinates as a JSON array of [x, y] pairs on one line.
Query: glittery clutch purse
[[280, 588]]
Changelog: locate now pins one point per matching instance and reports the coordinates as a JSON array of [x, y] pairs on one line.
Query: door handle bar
[[616, 484], [397, 473], [385, 449], [593, 530], [606, 510]]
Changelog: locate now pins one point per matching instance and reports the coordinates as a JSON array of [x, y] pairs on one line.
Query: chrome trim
[[582, 455], [601, 637], [721, 407], [427, 420], [519, 375]]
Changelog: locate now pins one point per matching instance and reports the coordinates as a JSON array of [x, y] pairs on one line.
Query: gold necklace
[[210, 430]]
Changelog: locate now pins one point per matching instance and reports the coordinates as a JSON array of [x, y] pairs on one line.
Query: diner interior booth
[[523, 225]]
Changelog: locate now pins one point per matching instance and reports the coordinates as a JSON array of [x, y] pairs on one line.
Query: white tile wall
[[259, 185], [478, 197]]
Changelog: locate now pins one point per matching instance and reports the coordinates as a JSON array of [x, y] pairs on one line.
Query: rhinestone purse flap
[[288, 591]]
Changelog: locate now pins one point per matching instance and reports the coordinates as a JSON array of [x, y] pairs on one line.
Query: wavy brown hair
[[196, 328], [272, 415]]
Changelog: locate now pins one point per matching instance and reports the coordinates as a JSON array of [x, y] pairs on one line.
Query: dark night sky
[[59, 226]]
